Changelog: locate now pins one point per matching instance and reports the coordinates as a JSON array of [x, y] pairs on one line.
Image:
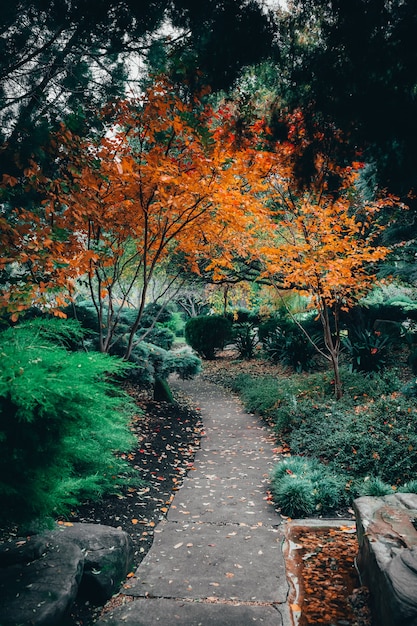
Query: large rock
[[108, 557], [41, 575], [40, 586], [387, 557]]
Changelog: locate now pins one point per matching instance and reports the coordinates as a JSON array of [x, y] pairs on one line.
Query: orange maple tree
[[165, 177], [322, 243]]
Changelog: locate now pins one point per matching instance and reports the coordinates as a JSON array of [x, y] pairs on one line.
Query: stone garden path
[[217, 558]]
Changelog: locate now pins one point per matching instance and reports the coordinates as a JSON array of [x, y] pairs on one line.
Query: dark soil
[[168, 438]]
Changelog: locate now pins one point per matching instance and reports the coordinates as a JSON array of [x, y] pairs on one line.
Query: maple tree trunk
[[338, 390], [332, 342]]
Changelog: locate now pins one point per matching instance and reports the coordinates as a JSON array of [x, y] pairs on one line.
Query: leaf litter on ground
[[168, 438]]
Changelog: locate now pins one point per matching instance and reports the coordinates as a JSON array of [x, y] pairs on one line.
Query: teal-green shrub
[[63, 422], [160, 336], [294, 496], [85, 313], [409, 487], [155, 312], [375, 487], [185, 364], [245, 338], [301, 486], [207, 333]]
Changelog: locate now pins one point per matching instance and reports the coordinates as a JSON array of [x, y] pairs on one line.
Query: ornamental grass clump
[[63, 422], [302, 486]]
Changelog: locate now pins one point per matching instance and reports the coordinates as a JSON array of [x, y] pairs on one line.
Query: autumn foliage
[[322, 240], [165, 178], [170, 178]]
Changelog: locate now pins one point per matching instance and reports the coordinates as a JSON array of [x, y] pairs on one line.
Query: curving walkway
[[217, 558]]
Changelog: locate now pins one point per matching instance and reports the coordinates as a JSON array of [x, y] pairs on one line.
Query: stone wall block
[[387, 558]]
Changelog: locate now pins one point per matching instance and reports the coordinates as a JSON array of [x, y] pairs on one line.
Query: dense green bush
[[151, 358], [376, 438], [367, 442], [302, 486], [281, 400], [183, 363], [374, 487], [160, 336], [155, 312], [207, 333], [285, 342], [62, 422], [369, 350], [241, 316], [245, 338]]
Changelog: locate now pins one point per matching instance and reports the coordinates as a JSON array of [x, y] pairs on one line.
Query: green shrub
[[285, 342], [154, 311], [294, 496], [185, 364], [62, 422], [282, 400], [259, 395], [245, 338], [301, 486], [375, 487], [176, 324], [329, 491], [241, 316], [409, 487], [85, 313], [207, 333], [372, 438], [160, 336], [368, 350]]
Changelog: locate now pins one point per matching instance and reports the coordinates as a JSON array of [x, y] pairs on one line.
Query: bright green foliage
[[207, 333], [62, 422]]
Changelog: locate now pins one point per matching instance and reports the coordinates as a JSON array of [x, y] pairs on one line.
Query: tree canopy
[[61, 60], [354, 65]]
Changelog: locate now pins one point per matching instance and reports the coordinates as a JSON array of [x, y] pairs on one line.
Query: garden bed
[[324, 584]]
